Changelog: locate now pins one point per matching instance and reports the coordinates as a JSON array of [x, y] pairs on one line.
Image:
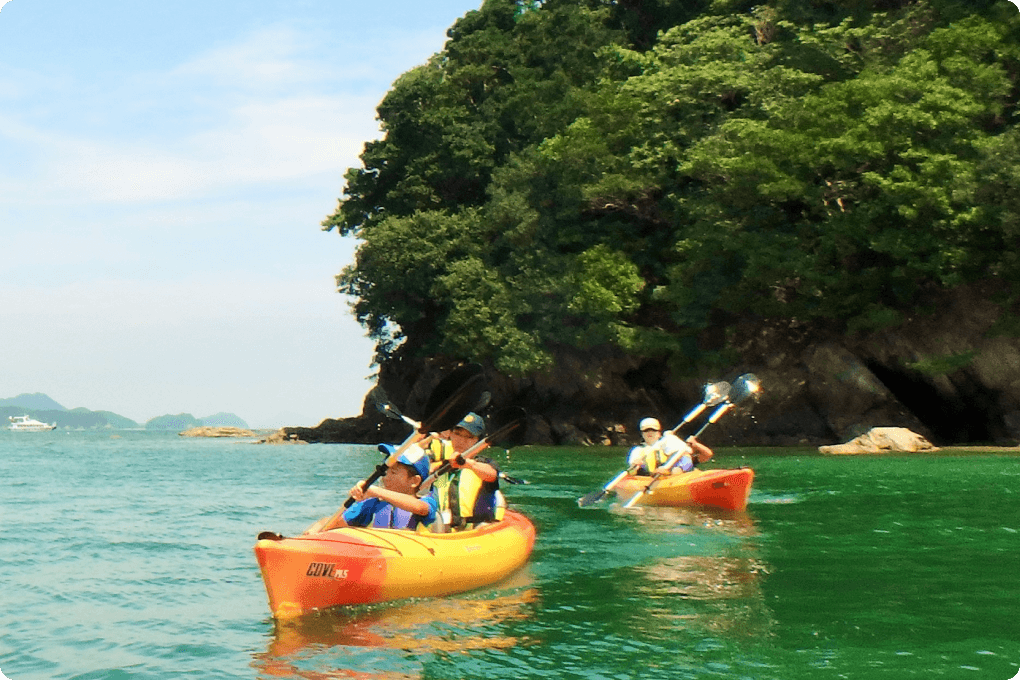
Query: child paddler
[[395, 504]]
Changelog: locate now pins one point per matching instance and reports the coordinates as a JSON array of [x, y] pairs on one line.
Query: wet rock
[[882, 440]]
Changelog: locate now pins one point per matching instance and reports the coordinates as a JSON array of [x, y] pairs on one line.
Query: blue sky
[[164, 168]]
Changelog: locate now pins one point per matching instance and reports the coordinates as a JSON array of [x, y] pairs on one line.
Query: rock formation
[[208, 431], [950, 372]]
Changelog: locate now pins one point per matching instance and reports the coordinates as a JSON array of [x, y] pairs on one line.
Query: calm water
[[128, 555]]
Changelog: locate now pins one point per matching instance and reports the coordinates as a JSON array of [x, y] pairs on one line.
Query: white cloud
[[254, 112]]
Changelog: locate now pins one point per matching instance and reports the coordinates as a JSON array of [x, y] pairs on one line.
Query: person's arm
[[635, 459], [485, 471], [412, 504], [676, 450], [702, 453]]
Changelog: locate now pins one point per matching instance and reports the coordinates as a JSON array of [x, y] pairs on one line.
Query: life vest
[[652, 456], [648, 457], [439, 451], [378, 513], [390, 517], [465, 499]]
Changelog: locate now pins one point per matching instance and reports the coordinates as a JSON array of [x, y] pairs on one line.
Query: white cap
[[649, 424]]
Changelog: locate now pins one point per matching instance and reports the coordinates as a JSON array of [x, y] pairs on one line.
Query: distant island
[[43, 408], [186, 421]]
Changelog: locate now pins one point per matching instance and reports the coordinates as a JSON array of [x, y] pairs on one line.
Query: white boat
[[26, 424]]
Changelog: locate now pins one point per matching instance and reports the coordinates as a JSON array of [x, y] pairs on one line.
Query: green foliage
[[943, 365], [639, 172]]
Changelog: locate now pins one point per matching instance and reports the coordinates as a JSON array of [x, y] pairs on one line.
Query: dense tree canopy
[[635, 172]]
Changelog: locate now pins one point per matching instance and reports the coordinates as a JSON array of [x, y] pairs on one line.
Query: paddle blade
[[745, 387], [596, 496], [592, 498], [382, 402], [483, 402], [508, 426], [453, 398], [716, 393]]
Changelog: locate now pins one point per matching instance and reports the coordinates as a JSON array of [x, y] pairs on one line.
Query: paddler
[[395, 504], [660, 448], [469, 493]]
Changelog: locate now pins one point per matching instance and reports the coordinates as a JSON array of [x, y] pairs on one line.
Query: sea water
[[128, 554]]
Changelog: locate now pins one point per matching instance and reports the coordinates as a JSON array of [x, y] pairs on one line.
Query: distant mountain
[[75, 419], [117, 422], [42, 408], [224, 420], [179, 422], [37, 401]]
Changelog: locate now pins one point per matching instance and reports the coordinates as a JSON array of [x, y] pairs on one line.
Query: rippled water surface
[[128, 555]]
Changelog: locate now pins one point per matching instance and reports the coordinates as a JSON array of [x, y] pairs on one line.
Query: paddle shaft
[[473, 450]]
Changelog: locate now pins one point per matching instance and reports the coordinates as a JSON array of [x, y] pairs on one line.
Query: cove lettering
[[325, 570]]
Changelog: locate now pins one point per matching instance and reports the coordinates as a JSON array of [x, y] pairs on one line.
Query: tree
[[639, 173]]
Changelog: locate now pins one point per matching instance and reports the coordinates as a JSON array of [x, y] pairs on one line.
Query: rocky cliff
[[950, 372]]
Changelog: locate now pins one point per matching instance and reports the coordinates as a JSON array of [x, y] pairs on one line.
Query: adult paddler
[[469, 493], [658, 448]]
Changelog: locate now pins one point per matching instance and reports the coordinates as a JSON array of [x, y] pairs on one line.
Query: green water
[[128, 555]]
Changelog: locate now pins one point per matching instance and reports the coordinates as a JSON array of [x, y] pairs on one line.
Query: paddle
[[743, 388], [383, 404], [713, 394], [450, 401], [508, 428], [388, 408]]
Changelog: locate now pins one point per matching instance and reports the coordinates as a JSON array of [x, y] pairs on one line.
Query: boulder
[[882, 440]]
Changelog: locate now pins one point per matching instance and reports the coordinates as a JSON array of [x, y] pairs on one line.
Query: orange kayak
[[727, 489], [359, 566]]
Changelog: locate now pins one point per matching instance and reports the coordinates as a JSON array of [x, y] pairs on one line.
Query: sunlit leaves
[[583, 172]]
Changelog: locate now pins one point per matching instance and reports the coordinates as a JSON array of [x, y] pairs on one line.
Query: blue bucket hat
[[474, 424], [420, 464]]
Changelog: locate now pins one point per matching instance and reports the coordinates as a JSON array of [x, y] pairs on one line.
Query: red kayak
[[726, 489]]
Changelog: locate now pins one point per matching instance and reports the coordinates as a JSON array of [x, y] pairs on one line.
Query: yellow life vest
[[440, 450], [651, 457], [465, 499]]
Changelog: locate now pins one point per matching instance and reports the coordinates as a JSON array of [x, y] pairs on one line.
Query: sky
[[164, 170]]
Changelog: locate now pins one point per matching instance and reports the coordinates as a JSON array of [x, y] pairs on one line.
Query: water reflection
[[396, 640], [603, 593], [717, 587]]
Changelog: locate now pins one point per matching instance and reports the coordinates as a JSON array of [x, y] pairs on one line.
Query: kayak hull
[[726, 489], [351, 565]]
